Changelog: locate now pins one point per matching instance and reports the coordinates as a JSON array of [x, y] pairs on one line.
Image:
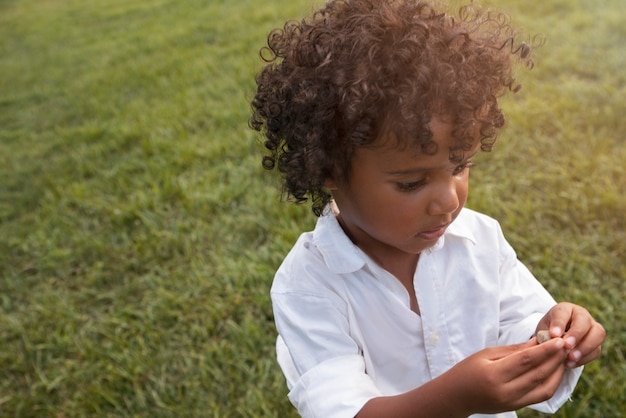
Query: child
[[402, 302]]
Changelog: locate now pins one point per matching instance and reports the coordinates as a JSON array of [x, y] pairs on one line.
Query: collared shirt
[[347, 333]]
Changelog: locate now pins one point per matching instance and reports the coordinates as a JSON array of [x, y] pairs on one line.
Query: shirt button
[[434, 338]]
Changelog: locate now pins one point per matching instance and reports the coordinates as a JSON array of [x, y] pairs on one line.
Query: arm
[[493, 380]]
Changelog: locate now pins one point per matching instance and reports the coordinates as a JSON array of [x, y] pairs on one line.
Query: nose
[[444, 199]]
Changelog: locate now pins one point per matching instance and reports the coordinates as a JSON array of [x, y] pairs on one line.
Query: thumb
[[506, 350], [558, 319]]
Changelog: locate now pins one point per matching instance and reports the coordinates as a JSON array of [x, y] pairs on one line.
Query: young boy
[[402, 302]]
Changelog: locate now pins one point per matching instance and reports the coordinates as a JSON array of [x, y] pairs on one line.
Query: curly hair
[[359, 69]]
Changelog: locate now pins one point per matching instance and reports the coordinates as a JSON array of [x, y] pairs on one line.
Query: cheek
[[462, 191]]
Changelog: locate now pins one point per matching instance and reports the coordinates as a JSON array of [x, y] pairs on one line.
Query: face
[[398, 201]]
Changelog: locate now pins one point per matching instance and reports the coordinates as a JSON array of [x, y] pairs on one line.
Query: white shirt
[[347, 333]]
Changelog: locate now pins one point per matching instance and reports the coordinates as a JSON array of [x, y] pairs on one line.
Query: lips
[[434, 234]]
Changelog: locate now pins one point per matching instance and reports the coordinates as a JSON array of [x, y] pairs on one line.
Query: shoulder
[[318, 261], [302, 262]]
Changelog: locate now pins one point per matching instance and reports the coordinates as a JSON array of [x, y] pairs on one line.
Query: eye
[[460, 168], [411, 186]]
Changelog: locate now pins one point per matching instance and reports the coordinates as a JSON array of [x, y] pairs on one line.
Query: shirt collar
[[342, 256], [460, 228]]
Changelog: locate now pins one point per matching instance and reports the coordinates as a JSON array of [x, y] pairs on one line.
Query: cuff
[[563, 393], [337, 387]]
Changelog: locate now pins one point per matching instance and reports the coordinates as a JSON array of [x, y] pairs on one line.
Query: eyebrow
[[408, 171], [418, 170]]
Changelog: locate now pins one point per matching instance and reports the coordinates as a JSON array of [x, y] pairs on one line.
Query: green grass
[[139, 233]]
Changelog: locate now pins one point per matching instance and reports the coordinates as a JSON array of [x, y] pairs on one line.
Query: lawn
[[139, 233]]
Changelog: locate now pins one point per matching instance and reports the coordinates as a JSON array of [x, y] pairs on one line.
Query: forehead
[[439, 139]]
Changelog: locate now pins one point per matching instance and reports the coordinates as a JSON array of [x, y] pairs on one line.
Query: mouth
[[434, 234]]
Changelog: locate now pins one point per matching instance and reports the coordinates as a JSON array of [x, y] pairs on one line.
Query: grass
[[139, 234]]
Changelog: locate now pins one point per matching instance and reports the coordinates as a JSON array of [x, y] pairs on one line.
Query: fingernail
[[571, 364], [559, 343], [557, 331], [576, 355], [570, 341]]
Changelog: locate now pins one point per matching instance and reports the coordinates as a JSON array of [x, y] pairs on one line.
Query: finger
[[589, 348], [559, 319], [499, 352], [542, 383], [581, 323], [594, 354], [548, 354], [538, 383], [594, 338]]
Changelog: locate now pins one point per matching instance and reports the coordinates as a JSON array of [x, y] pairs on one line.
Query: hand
[[507, 378], [583, 336]]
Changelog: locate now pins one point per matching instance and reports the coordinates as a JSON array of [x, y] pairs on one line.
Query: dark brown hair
[[358, 69]]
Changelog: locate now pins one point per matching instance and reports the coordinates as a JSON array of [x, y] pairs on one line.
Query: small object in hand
[[543, 336]]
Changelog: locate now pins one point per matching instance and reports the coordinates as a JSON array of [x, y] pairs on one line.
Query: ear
[[330, 184]]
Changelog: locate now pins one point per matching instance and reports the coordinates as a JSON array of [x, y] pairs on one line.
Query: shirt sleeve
[[525, 301], [324, 368]]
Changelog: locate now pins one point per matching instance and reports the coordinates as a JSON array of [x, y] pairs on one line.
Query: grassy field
[[139, 233]]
